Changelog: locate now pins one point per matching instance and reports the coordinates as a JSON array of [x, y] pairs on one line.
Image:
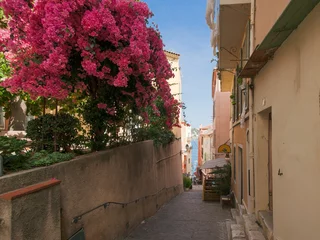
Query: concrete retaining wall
[[139, 173]]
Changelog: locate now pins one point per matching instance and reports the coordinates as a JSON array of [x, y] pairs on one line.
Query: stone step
[[237, 232], [250, 226], [234, 213], [228, 225], [249, 217], [252, 229], [256, 235], [242, 209], [239, 220], [266, 220]]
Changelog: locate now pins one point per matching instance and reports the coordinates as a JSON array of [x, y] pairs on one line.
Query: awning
[[290, 19], [219, 162]]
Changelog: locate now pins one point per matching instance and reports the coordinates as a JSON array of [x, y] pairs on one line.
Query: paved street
[[185, 217]]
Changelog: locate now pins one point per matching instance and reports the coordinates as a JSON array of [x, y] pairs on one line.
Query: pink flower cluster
[[44, 36]]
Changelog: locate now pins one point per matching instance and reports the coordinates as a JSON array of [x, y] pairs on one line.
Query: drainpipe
[[251, 111]]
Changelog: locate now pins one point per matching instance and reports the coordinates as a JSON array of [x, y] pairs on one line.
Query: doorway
[[263, 192], [270, 162], [240, 157]]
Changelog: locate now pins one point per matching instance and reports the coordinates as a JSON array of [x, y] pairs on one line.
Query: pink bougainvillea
[[102, 105], [57, 46]]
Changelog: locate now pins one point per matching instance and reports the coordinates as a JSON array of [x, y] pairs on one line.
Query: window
[[240, 155], [247, 97], [240, 91], [245, 50], [189, 160], [241, 98]]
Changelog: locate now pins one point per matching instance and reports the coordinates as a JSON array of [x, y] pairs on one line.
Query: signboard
[[224, 149]]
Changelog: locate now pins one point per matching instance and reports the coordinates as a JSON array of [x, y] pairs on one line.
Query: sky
[[183, 28]]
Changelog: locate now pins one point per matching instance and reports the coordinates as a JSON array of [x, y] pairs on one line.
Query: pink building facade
[[221, 117]]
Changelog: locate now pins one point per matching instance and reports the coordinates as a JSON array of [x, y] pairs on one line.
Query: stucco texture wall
[[207, 148], [119, 175], [222, 118], [289, 86], [19, 213], [227, 81], [267, 13]]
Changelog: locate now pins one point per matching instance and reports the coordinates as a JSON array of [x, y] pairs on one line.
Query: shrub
[[15, 158], [157, 129], [48, 131], [158, 135], [43, 158], [187, 183], [223, 179], [11, 145], [11, 149]]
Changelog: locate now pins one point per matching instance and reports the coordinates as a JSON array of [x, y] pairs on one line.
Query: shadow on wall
[[107, 194]]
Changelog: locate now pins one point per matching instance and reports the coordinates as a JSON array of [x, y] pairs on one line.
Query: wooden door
[[240, 155]]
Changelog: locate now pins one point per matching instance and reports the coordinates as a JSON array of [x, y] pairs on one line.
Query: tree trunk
[[44, 106], [43, 113], [55, 133], [98, 139]]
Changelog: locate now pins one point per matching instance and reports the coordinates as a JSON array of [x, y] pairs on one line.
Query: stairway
[[243, 226], [210, 191]]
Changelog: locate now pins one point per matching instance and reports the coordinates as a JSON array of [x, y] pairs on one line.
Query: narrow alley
[[185, 217]]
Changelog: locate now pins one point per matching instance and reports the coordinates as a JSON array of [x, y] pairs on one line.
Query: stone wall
[[107, 194]]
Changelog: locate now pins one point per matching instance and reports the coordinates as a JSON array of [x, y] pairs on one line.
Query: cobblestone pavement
[[185, 217]]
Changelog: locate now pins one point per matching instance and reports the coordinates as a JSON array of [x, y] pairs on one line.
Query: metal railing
[[122, 204]]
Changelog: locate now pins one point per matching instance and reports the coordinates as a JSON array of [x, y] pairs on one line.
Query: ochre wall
[[119, 175], [226, 81], [267, 13], [289, 86]]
